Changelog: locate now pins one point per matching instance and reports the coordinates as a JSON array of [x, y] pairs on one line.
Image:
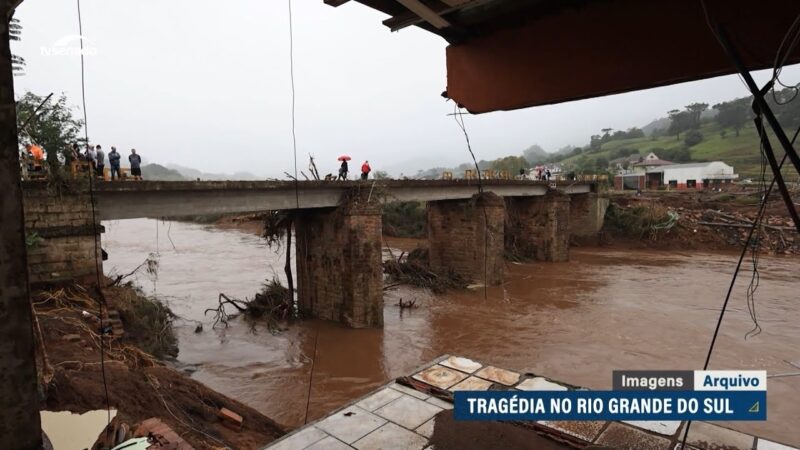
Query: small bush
[[692, 138]]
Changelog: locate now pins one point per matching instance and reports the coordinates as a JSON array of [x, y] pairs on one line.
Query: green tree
[[680, 121], [694, 111], [380, 175], [733, 114], [54, 128], [693, 137]]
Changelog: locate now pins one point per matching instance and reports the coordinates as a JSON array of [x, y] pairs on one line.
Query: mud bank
[[139, 385]]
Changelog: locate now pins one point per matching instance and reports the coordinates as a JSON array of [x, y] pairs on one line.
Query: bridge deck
[[128, 200]]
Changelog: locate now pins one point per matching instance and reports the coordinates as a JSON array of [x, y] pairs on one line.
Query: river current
[[574, 322]]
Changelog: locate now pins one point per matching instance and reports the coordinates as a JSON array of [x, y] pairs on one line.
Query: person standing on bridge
[[365, 170], [101, 161], [113, 160], [136, 165], [343, 169]]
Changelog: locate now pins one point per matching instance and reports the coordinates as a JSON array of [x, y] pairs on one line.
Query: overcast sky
[[201, 85]]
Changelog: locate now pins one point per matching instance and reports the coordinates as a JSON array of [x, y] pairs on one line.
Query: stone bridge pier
[[539, 227], [339, 264], [466, 236], [62, 242]]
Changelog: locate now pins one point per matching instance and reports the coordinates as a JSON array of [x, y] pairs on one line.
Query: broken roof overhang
[[510, 54]]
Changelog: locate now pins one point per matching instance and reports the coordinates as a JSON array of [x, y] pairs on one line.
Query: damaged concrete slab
[[405, 413]]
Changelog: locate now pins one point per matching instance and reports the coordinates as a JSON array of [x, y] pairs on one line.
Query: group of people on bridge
[[343, 169], [92, 160]]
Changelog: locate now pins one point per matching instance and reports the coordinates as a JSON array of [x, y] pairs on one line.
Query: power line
[[94, 221]]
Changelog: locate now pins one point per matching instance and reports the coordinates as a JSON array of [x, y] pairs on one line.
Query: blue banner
[[610, 405]]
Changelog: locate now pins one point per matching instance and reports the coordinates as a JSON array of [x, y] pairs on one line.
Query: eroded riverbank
[[573, 321]]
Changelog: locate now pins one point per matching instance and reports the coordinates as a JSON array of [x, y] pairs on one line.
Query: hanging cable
[[294, 135], [746, 245], [459, 117], [95, 231]]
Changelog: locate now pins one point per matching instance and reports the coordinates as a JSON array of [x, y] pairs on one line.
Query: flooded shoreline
[[574, 321]]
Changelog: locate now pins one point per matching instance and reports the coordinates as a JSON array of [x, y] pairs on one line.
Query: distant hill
[[158, 172], [193, 174], [741, 152]]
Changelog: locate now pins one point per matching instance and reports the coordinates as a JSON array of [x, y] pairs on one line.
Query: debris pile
[[274, 304], [70, 326], [710, 222], [414, 270]]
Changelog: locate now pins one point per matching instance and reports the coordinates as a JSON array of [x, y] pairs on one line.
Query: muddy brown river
[[574, 322]]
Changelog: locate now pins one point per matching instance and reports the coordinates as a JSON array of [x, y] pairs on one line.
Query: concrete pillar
[[466, 236], [20, 428], [586, 215], [538, 227], [63, 244], [339, 264]]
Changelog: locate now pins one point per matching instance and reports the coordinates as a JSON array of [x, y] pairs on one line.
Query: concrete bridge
[[338, 228], [180, 198]]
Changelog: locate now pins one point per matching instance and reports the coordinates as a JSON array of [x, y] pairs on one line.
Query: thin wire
[[761, 210], [294, 135], [94, 221], [461, 124]]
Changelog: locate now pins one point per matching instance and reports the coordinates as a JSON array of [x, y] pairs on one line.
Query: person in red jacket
[[365, 170]]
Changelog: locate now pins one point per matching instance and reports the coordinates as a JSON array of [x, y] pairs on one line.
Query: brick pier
[[465, 235], [61, 237], [339, 267], [539, 227]]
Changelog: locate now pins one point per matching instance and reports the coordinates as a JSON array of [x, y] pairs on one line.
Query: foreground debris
[[703, 221], [140, 386]]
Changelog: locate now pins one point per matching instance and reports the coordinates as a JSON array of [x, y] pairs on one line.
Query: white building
[[677, 176], [694, 175]]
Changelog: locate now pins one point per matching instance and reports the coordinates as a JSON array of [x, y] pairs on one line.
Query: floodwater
[[574, 322]]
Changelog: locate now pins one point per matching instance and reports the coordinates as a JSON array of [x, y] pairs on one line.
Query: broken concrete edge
[[535, 426]]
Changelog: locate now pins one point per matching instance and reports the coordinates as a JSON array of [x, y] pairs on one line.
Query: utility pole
[[20, 427]]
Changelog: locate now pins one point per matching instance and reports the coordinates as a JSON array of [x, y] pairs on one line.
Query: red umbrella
[[345, 158]]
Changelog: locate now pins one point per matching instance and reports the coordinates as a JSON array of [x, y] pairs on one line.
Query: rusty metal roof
[[509, 54]]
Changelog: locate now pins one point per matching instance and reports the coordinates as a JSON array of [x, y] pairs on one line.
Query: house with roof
[[677, 176]]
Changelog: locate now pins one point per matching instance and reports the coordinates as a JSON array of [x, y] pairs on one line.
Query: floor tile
[[379, 399], [409, 391], [498, 375], [623, 437], [711, 437], [426, 429], [665, 427], [391, 437], [440, 403], [472, 384], [440, 376], [329, 443], [463, 364], [408, 411], [301, 439], [540, 384], [350, 424], [586, 430], [764, 444]]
